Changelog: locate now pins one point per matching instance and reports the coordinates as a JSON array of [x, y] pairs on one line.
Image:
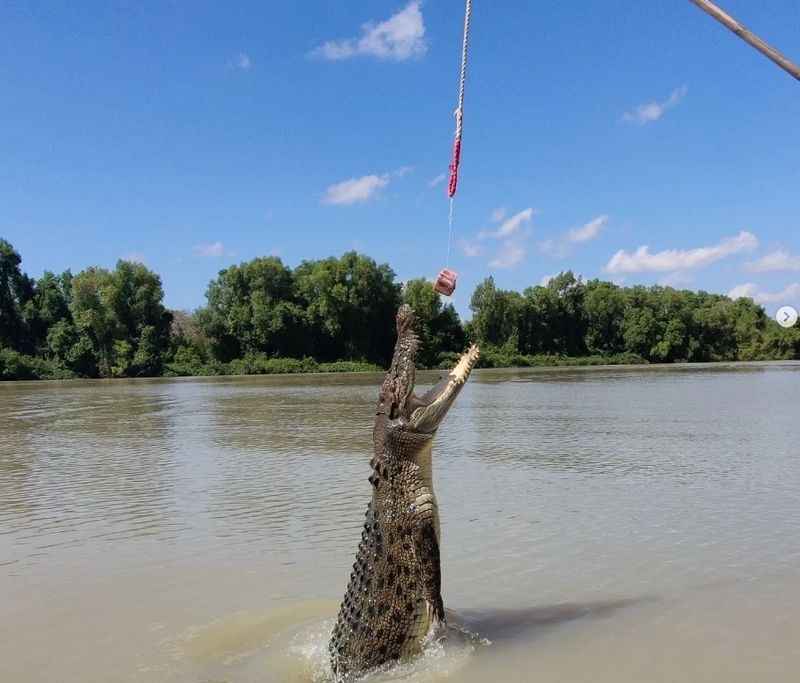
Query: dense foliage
[[572, 318], [337, 314]]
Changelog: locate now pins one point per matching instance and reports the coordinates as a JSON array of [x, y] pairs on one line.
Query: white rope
[[459, 112], [450, 232]]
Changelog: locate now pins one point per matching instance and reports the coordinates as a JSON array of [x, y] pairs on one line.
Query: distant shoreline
[[364, 368]]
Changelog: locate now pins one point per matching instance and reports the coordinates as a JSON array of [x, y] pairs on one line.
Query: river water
[[604, 525]]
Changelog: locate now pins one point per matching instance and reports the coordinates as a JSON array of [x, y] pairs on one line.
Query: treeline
[[597, 319], [337, 314]]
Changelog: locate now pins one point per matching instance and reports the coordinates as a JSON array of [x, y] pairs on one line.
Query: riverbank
[[16, 366]]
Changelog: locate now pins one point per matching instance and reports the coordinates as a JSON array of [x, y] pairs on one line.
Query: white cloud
[[553, 248], [470, 248], [745, 291], [359, 190], [776, 261], [438, 180], [511, 254], [752, 291], [400, 37], [653, 111], [498, 214], [510, 226], [588, 231], [679, 259], [355, 190], [134, 257], [560, 247], [244, 62], [209, 249]]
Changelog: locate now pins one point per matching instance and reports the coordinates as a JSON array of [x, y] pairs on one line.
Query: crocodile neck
[[427, 494]]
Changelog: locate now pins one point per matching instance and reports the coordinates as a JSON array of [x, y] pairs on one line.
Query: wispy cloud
[[561, 246], [511, 254], [653, 111], [398, 38], [499, 214], [752, 291], [588, 231], [359, 190], [672, 260], [779, 260], [470, 248], [438, 180], [512, 233], [508, 227], [355, 190], [243, 61], [208, 250]]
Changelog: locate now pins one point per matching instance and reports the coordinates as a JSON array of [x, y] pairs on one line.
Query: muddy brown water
[[605, 525]]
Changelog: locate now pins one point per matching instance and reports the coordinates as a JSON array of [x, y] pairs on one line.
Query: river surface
[[599, 525]]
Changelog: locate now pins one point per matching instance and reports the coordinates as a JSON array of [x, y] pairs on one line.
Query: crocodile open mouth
[[436, 402]]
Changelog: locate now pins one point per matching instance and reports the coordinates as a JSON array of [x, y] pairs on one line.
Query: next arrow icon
[[787, 316]]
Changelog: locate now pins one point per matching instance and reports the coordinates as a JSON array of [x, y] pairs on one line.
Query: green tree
[[48, 306], [496, 313], [71, 349], [16, 290], [553, 319], [141, 324], [253, 308], [119, 312], [93, 317], [604, 306], [351, 304]]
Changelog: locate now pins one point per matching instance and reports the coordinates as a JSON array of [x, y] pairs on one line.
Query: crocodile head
[[421, 414]]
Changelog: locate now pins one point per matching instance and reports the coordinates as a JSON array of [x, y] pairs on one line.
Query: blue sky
[[638, 142]]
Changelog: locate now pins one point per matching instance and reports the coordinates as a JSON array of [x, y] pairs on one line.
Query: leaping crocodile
[[393, 604]]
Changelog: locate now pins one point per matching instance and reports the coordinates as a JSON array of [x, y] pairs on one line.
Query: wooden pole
[[750, 38]]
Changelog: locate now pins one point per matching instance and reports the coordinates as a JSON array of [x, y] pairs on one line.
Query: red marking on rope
[[453, 184]]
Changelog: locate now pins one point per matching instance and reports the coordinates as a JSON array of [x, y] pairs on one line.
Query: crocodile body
[[393, 602]]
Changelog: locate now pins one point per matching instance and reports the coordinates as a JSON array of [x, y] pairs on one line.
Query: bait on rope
[[446, 282]]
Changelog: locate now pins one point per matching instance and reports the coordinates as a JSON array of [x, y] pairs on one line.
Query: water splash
[[439, 660]]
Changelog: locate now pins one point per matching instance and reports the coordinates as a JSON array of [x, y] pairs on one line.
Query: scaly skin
[[393, 603]]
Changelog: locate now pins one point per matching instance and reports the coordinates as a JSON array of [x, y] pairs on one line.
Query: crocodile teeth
[[466, 363]]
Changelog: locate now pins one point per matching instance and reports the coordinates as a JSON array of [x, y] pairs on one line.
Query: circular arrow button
[[787, 316]]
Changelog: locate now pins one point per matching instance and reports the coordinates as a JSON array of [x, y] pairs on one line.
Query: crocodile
[[393, 604]]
